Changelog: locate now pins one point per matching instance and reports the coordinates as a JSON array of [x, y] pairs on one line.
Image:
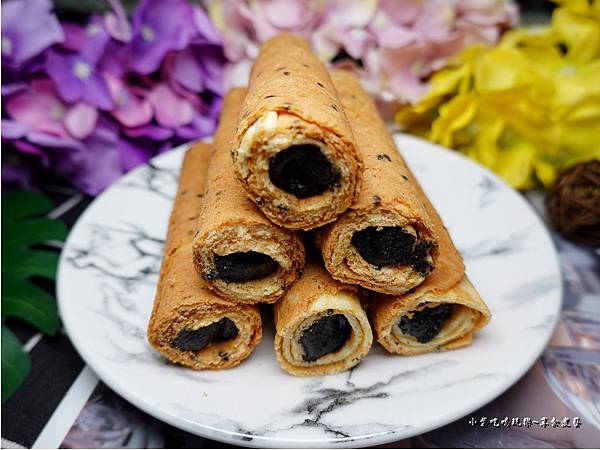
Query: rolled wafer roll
[[441, 314], [385, 241], [242, 255], [293, 149], [190, 325], [321, 327], [430, 319]]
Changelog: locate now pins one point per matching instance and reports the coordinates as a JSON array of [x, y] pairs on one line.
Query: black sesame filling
[[194, 340], [243, 266], [392, 246], [327, 335], [424, 325], [303, 171]]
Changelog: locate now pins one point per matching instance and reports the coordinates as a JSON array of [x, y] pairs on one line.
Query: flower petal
[[116, 23], [237, 74], [205, 27], [102, 165], [159, 26], [61, 69], [11, 129], [28, 28], [132, 153], [151, 131], [287, 14], [170, 110], [132, 107], [390, 35], [80, 120], [187, 70], [38, 108], [74, 37], [401, 11], [97, 92]]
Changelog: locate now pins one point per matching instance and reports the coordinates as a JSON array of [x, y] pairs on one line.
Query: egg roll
[[321, 326], [385, 241], [293, 150], [237, 250], [191, 325], [441, 314]]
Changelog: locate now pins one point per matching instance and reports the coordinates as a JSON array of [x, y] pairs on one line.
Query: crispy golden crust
[[313, 296], [183, 300], [387, 198], [291, 100], [231, 223]]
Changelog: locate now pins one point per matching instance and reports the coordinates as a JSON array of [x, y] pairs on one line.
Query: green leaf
[[15, 363], [20, 205], [23, 227], [29, 232], [28, 302], [27, 263]]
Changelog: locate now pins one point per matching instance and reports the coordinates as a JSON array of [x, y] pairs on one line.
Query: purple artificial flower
[[132, 153], [17, 172], [11, 129], [28, 28], [104, 98], [75, 37], [207, 30], [159, 26], [198, 67], [13, 88], [150, 131], [75, 74], [100, 164], [91, 164], [16, 133]]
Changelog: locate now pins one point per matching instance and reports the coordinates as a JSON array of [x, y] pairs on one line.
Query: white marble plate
[[106, 286]]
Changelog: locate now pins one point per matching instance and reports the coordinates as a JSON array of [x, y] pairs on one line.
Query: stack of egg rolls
[[442, 310], [190, 324], [302, 149], [243, 256], [293, 150]]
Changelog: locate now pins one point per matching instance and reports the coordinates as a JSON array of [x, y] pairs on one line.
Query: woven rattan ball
[[573, 203]]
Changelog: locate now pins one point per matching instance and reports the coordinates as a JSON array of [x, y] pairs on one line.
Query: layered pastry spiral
[[321, 326]]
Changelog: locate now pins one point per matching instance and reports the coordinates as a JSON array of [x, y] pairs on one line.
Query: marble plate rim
[[236, 438]]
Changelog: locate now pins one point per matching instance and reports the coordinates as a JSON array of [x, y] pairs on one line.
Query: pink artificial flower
[[396, 43], [40, 108], [344, 25], [131, 108], [80, 120], [116, 23], [170, 109]]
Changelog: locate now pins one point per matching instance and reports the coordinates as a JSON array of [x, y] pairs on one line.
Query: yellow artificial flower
[[527, 108]]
